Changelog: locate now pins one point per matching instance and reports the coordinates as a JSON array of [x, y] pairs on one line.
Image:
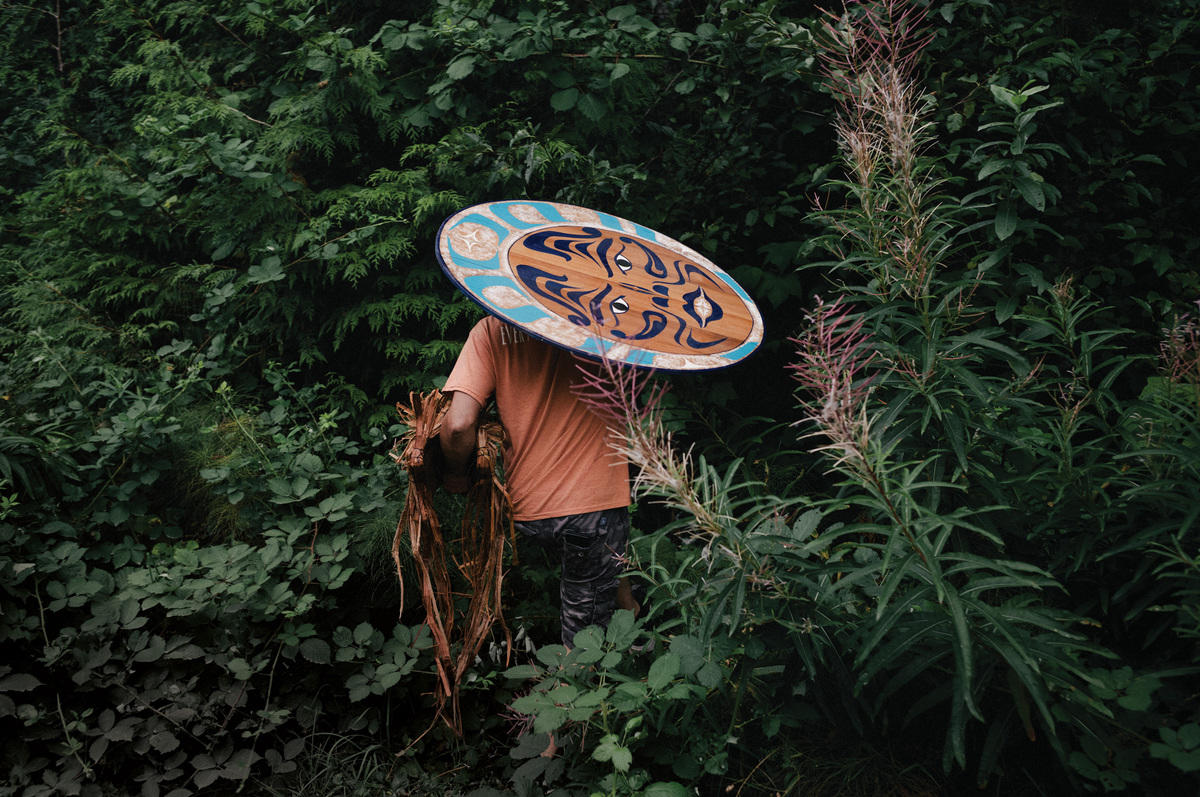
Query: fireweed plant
[[942, 623], [938, 585], [965, 450]]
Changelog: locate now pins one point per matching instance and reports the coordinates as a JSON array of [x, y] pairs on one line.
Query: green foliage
[[217, 273], [1002, 519], [155, 606], [608, 694], [1113, 112], [290, 166]]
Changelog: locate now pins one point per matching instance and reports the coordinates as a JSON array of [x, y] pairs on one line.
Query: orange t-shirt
[[558, 460]]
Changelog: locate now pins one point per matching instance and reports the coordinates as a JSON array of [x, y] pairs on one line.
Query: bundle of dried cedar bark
[[487, 520]]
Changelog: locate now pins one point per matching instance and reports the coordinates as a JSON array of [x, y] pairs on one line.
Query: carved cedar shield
[[599, 285]]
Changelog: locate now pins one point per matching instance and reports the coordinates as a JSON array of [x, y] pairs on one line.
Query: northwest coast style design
[[599, 285]]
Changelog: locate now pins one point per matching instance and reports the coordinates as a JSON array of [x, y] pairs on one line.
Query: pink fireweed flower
[[831, 357], [1179, 350], [869, 56], [631, 401]]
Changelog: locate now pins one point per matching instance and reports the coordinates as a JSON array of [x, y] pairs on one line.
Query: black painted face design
[[629, 289]]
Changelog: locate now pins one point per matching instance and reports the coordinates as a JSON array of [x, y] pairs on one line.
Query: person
[[569, 488]]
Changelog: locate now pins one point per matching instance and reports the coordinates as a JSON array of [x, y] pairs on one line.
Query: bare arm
[[458, 440]]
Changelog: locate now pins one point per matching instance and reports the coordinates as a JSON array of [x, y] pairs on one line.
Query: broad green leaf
[[315, 650], [610, 749], [522, 672], [549, 719], [565, 99], [690, 653], [594, 108], [532, 703], [460, 67], [530, 745], [710, 675], [1005, 308], [564, 693], [662, 670], [19, 682], [1031, 192], [1139, 696], [991, 166], [622, 630], [551, 655], [1006, 220], [665, 789], [594, 697]]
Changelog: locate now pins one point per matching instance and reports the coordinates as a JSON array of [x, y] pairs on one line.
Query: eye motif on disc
[[628, 289], [599, 284]]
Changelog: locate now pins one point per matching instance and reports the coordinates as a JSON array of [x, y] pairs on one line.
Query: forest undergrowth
[[946, 543]]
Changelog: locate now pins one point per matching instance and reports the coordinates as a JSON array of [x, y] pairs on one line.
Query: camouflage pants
[[592, 547]]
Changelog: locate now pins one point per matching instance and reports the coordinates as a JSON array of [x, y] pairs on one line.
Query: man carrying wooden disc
[[569, 488]]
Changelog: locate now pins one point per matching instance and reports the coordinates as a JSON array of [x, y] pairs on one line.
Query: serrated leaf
[[164, 742], [594, 697], [662, 671], [681, 41], [691, 653], [19, 682], [530, 745], [551, 655], [1005, 308], [565, 99], [592, 107], [590, 638], [460, 67], [240, 669], [522, 672], [709, 676], [363, 632], [565, 693], [1185, 761], [621, 631], [532, 703], [185, 652], [153, 650], [549, 719], [315, 650], [1140, 693]]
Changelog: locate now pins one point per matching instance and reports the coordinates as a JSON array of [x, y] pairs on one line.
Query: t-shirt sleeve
[[474, 372]]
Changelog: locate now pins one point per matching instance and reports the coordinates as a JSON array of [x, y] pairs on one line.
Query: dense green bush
[[974, 562], [173, 558], [965, 582]]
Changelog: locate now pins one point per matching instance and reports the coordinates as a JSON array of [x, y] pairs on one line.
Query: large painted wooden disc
[[599, 285]]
